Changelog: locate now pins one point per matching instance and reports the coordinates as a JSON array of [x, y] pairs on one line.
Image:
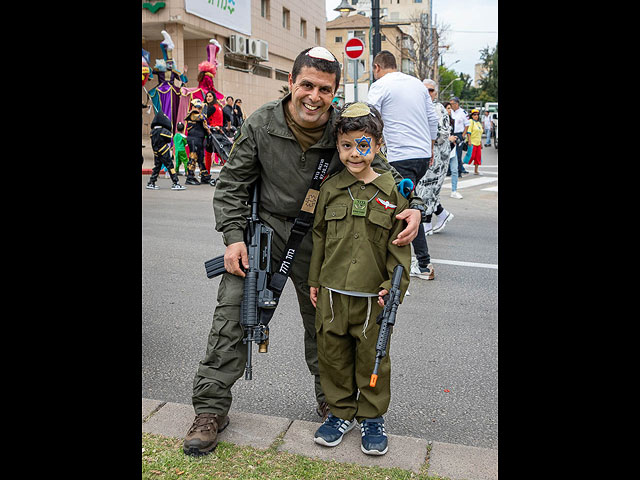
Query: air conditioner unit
[[263, 52], [238, 44], [254, 47]]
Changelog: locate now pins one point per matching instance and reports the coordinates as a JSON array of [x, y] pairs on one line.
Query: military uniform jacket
[[355, 253], [265, 149]]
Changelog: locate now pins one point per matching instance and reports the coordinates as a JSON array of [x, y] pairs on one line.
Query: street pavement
[[444, 347]]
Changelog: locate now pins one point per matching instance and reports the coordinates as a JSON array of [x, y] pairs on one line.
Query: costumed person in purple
[[206, 74], [166, 96], [161, 143]]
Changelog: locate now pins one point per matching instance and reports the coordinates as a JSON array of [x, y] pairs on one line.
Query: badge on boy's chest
[[359, 208]]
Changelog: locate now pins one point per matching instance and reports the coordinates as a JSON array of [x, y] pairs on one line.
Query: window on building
[[303, 28], [262, 71], [286, 15], [265, 10], [338, 39], [318, 36], [417, 1], [282, 75], [236, 63]]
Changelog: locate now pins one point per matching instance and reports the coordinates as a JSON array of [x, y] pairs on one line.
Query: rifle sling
[[300, 227]]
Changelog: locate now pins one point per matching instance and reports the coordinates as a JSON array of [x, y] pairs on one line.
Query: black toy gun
[[386, 320], [257, 298]]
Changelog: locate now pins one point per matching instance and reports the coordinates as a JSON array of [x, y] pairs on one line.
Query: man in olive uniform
[[280, 145]]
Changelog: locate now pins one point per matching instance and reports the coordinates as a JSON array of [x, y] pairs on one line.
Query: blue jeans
[[453, 165]]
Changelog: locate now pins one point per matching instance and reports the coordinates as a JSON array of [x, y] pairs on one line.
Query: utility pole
[[375, 22]]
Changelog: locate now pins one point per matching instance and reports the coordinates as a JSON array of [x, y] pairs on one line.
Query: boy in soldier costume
[[280, 145], [161, 145], [350, 271]]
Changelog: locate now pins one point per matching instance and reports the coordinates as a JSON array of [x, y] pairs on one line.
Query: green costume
[[179, 142], [352, 260], [264, 149]]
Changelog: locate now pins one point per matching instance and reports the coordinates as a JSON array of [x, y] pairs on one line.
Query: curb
[[456, 462]]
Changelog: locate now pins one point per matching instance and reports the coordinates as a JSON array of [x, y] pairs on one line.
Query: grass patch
[[163, 459]]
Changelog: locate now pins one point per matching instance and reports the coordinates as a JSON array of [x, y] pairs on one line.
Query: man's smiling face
[[311, 97]]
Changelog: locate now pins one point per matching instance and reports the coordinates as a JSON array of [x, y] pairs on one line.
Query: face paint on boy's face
[[363, 143], [357, 151]]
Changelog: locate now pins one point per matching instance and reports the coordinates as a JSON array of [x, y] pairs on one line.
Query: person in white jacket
[[410, 131]]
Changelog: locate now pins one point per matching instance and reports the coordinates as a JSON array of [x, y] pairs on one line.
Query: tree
[[489, 83], [427, 38], [448, 86]]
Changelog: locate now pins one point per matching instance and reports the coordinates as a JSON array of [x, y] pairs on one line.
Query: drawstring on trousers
[[366, 322]]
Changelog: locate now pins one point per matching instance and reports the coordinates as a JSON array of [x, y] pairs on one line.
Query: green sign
[[153, 8]]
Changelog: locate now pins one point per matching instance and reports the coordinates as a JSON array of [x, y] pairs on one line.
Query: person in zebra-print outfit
[[429, 186]]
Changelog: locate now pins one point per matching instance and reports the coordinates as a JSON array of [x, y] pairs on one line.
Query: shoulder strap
[[300, 227]]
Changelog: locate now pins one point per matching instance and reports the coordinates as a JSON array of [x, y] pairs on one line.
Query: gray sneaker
[[177, 186], [152, 186], [442, 222], [426, 273]]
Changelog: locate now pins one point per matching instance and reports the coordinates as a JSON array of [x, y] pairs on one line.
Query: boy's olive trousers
[[226, 355], [346, 357]]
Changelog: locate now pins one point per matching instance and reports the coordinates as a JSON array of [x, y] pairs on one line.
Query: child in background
[[349, 273], [474, 134], [161, 145], [179, 148]]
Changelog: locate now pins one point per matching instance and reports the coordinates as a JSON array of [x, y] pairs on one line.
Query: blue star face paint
[[362, 143], [357, 150]]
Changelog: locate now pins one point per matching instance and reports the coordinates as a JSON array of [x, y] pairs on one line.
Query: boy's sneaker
[[442, 222], [177, 186], [455, 195], [374, 439], [152, 186], [332, 430], [428, 229], [192, 181]]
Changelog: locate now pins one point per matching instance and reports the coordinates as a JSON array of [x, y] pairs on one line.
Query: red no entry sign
[[354, 48]]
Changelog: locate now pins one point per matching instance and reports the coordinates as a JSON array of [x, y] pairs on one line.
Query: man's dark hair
[[386, 60], [371, 123], [304, 60], [229, 97]]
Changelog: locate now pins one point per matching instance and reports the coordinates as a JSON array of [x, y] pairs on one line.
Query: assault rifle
[[387, 320], [258, 302]]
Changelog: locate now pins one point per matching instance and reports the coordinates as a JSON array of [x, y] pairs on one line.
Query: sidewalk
[[457, 462]]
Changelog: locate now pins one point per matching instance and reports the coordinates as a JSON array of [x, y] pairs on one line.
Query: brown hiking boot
[[323, 410], [202, 437]]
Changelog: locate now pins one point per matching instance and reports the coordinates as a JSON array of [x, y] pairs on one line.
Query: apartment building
[[260, 39]]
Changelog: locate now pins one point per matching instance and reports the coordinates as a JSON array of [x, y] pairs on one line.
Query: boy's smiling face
[[357, 149]]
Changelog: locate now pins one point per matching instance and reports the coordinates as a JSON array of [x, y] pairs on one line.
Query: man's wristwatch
[[422, 210]]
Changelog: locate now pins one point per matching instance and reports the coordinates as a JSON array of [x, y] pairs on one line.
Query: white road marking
[[465, 264]]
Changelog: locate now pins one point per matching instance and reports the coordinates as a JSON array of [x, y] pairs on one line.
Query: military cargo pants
[[226, 355], [346, 356]]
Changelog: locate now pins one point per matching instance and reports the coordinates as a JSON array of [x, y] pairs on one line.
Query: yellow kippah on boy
[[357, 109]]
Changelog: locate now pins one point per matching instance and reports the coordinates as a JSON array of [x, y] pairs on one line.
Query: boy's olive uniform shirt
[[355, 253]]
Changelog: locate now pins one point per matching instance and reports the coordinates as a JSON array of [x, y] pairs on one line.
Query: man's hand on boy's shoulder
[[406, 236]]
